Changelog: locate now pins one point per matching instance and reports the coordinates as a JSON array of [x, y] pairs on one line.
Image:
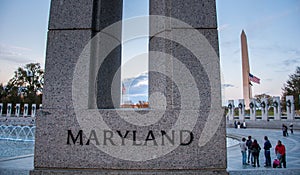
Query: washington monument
[[247, 94]]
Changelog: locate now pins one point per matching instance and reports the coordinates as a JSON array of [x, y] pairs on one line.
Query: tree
[[26, 85], [259, 97], [292, 87]]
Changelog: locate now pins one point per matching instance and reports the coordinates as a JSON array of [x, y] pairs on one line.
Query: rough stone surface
[[69, 14], [198, 14], [63, 50], [53, 154]]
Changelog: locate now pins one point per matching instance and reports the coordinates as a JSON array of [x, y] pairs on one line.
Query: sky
[[271, 26]]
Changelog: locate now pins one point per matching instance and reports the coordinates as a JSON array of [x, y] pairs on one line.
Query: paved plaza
[[292, 144], [22, 165]]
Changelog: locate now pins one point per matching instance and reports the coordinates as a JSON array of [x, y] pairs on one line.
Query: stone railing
[[265, 112], [18, 110]]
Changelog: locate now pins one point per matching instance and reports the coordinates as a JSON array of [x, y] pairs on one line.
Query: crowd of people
[[250, 150], [285, 129], [239, 124]]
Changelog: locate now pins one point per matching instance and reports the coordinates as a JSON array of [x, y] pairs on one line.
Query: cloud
[[142, 83], [268, 79], [14, 54], [266, 21], [227, 85], [289, 62], [136, 88], [223, 27]]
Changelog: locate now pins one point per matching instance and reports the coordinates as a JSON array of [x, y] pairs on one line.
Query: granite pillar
[[231, 109], [200, 16], [1, 109], [77, 130], [264, 108], [241, 107], [25, 110], [252, 107], [18, 109], [8, 109], [290, 107], [277, 108]]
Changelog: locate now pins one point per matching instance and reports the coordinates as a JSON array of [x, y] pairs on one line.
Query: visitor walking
[[255, 152], [244, 125], [284, 130], [267, 146], [280, 153], [291, 128], [249, 146], [243, 150]]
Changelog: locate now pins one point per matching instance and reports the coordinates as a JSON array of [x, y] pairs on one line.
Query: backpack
[[256, 149], [268, 145], [249, 144]]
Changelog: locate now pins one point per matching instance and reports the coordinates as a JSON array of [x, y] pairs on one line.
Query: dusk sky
[[271, 26]]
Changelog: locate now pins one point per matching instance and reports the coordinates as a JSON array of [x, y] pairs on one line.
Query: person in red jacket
[[280, 153]]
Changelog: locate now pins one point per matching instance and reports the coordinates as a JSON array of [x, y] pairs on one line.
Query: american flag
[[123, 89], [254, 78]]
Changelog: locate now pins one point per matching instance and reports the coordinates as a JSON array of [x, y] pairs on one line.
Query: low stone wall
[[272, 124], [21, 121]]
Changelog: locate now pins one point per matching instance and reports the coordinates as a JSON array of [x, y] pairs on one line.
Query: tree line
[[26, 86]]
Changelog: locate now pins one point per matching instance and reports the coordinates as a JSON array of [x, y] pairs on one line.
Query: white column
[[277, 108], [252, 107], [264, 108], [8, 110], [241, 106], [231, 109], [18, 109], [290, 107], [1, 109], [33, 110], [25, 112]]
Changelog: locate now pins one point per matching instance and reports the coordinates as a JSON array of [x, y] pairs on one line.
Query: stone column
[[25, 110], [231, 109], [33, 110], [108, 82], [1, 109], [241, 106], [264, 108], [9, 109], [290, 107], [277, 108], [252, 107], [18, 109], [200, 15], [74, 137]]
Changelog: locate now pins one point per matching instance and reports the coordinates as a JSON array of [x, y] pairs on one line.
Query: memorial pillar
[[9, 109], [231, 109], [264, 108], [290, 107], [241, 107], [18, 109], [252, 107], [277, 108], [1, 109]]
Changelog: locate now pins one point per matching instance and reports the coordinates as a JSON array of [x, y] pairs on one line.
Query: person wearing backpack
[[249, 145], [255, 153], [267, 146]]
